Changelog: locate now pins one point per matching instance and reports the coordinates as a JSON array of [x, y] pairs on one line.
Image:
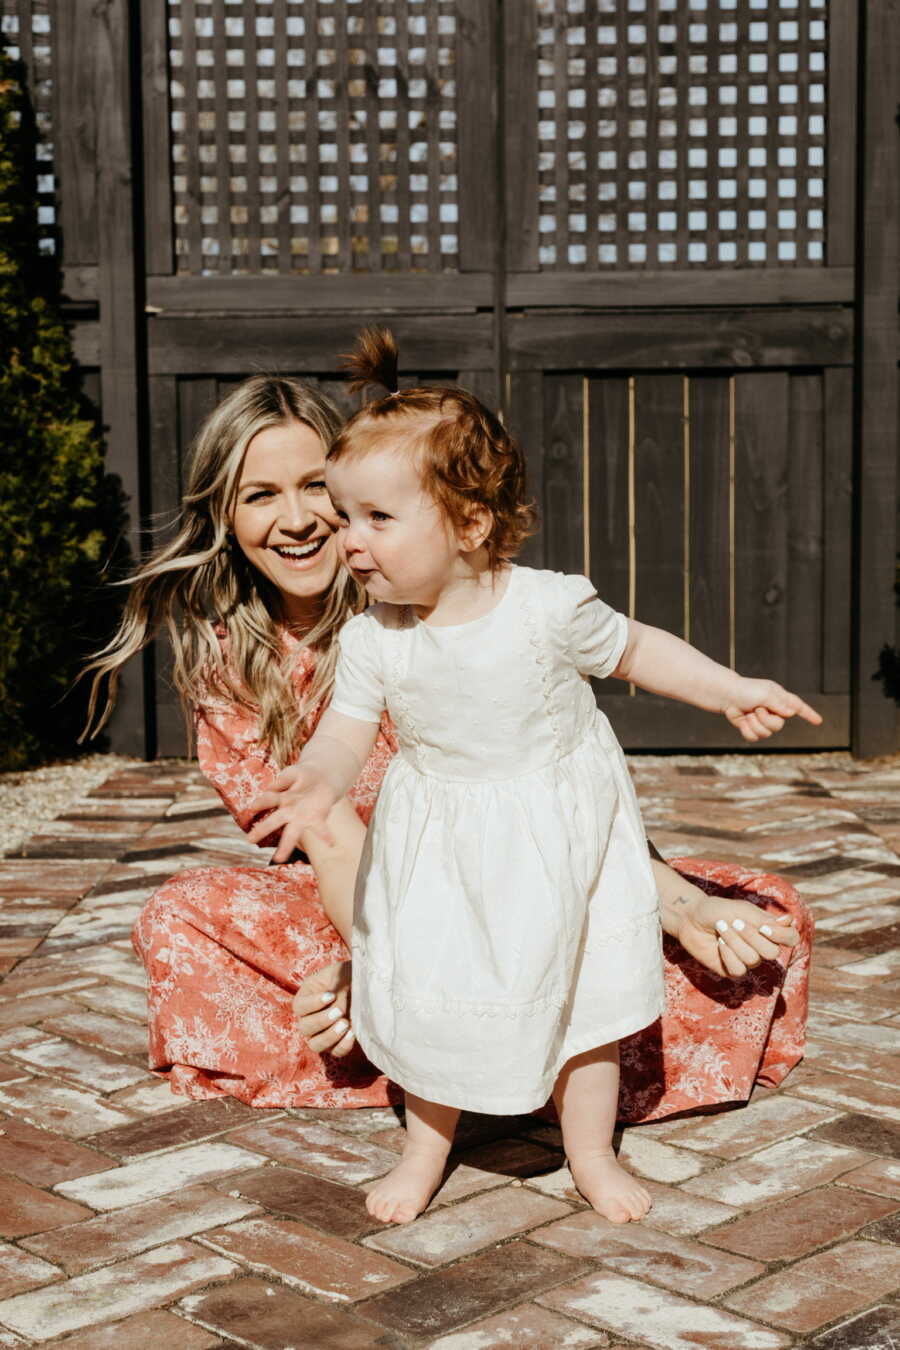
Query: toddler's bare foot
[[405, 1192], [608, 1188]]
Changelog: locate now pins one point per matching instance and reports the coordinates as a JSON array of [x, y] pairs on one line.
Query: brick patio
[[131, 1217]]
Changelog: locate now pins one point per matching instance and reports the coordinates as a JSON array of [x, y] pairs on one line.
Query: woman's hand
[[729, 937], [302, 800], [322, 1010], [759, 708]]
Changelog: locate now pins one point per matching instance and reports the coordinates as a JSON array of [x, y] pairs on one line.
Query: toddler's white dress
[[506, 916]]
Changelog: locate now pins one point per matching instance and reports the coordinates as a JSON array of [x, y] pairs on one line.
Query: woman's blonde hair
[[200, 582]]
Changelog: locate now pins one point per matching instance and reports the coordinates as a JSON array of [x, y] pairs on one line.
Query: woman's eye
[[318, 485], [259, 496]]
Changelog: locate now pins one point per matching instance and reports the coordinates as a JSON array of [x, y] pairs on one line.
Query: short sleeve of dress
[[597, 634], [358, 681]]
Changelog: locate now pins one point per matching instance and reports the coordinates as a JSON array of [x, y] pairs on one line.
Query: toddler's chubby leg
[[586, 1097], [405, 1192]]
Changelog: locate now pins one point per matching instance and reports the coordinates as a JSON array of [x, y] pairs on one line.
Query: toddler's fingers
[[751, 728], [770, 720], [789, 705]]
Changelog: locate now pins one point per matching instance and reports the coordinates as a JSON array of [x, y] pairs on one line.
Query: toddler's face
[[391, 535]]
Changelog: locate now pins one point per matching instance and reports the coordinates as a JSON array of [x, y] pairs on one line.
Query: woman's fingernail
[[333, 1013], [785, 918], [738, 925], [341, 1026], [766, 930], [721, 926], [326, 998]]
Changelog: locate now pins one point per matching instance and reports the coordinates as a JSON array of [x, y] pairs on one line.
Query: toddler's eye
[[380, 515]]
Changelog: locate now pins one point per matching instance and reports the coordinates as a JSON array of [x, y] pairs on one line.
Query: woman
[[252, 596]]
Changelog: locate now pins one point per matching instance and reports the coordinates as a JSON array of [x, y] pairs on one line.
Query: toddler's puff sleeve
[[597, 634], [358, 681]]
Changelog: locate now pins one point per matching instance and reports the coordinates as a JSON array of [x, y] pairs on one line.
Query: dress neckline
[[467, 623]]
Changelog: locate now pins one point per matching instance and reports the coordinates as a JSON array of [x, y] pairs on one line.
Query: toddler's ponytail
[[373, 360]]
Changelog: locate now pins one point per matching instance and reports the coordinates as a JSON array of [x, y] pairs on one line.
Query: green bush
[[60, 514]]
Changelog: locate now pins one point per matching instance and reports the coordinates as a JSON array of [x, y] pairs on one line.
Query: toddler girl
[[506, 930]]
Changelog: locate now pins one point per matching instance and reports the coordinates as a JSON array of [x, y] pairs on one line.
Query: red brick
[[447, 1234], [442, 1300], [91, 1069], [97, 1029], [111, 1237], [325, 1204], [43, 1158], [795, 1227], [528, 1327], [732, 1133], [315, 1262], [179, 1125], [823, 1287], [633, 1249], [881, 1176], [317, 1149], [65, 1109], [25, 1209], [20, 1271], [146, 1331], [791, 1166], [270, 1317], [21, 1011]]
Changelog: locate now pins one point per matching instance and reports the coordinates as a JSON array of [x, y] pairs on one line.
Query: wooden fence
[[660, 235]]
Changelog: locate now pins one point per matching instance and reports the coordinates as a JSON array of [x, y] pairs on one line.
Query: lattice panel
[[676, 134], [314, 135], [27, 31]]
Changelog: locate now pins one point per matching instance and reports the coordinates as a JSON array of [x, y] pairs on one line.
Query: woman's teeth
[[294, 552]]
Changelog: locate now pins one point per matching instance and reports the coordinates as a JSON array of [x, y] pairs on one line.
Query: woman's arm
[[664, 664]]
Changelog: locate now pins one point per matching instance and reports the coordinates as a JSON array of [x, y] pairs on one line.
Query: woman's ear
[[476, 529]]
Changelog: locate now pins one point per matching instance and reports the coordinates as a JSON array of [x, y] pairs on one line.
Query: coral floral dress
[[226, 948]]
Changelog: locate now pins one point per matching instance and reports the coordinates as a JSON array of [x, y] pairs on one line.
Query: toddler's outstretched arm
[[664, 664], [304, 793]]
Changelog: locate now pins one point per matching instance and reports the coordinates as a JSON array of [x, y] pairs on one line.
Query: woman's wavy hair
[[467, 458], [201, 582]]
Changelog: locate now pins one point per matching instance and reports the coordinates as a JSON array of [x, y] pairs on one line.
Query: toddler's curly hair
[[467, 457]]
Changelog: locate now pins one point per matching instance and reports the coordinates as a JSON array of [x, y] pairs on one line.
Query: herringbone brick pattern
[[132, 1218]]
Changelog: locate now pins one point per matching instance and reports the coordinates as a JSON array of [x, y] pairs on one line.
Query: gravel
[[33, 797]]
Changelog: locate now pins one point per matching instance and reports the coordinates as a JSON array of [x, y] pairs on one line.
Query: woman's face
[[283, 520]]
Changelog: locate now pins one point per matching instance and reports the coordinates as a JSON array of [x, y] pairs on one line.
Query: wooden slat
[[165, 497], [191, 168], [311, 136], [402, 192], [156, 138], [708, 508], [75, 134], [701, 286], [520, 99], [607, 502], [254, 229], [196, 400], [476, 112], [840, 178], [281, 169], [563, 510], [373, 165], [526, 421], [206, 346], [805, 529], [432, 115], [739, 338], [648, 723], [761, 525], [878, 241], [86, 342], [219, 75], [838, 523], [131, 729], [299, 294], [659, 501]]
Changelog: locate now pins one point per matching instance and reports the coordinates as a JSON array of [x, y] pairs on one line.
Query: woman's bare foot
[[608, 1188], [402, 1195]]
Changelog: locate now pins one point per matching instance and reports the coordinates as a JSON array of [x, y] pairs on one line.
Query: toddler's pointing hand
[[759, 708]]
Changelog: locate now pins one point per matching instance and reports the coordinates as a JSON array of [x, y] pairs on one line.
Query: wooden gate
[[660, 235]]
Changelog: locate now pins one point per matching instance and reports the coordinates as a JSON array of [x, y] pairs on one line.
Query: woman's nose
[[295, 513]]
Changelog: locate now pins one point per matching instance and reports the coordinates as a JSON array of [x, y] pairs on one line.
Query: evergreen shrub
[[60, 514]]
